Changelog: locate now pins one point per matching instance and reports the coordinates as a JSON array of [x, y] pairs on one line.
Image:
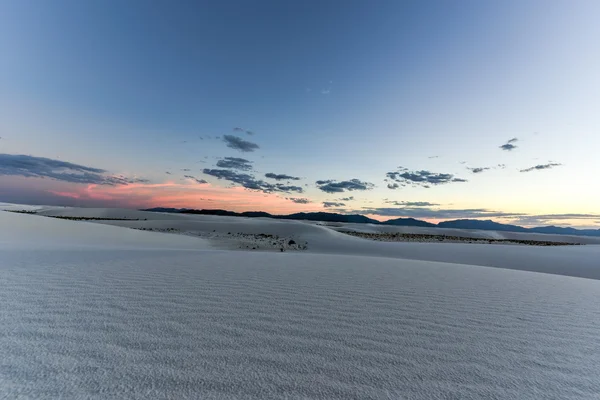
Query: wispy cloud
[[235, 163], [41, 167], [437, 213], [201, 181], [540, 167], [246, 131], [333, 186], [329, 204], [478, 170], [299, 200], [412, 203], [281, 177], [240, 144]]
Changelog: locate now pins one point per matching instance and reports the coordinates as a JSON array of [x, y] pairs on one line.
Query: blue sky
[[330, 90]]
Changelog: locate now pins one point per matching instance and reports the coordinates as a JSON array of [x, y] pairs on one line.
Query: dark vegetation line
[[77, 218], [416, 237]]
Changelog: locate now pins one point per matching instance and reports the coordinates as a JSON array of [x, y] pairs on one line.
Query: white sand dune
[[130, 314], [578, 261], [30, 231]]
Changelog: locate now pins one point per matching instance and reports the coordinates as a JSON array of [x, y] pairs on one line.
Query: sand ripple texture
[[134, 324]]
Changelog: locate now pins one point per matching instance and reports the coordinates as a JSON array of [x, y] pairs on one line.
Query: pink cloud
[[145, 195]]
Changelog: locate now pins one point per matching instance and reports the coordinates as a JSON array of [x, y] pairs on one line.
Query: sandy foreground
[[95, 310]]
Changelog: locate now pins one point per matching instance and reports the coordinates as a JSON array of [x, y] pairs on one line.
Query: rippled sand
[[106, 321]]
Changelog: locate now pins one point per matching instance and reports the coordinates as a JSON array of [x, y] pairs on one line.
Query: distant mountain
[[566, 231], [163, 209], [211, 212], [257, 214], [409, 222], [330, 217], [316, 216], [486, 225]]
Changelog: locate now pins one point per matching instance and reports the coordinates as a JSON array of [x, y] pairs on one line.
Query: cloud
[[281, 177], [246, 131], [393, 186], [478, 170], [201, 181], [168, 173], [329, 204], [540, 167], [41, 167], [186, 169], [240, 144], [250, 182], [332, 186], [299, 200], [510, 146], [430, 157], [235, 163], [412, 203], [326, 91], [421, 178], [347, 198], [435, 213]]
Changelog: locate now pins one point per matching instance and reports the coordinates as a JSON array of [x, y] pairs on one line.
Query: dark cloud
[[329, 204], [246, 131], [168, 173], [235, 163], [393, 186], [541, 166], [240, 144], [40, 167], [278, 187], [478, 170], [421, 178], [347, 198], [412, 203], [332, 186], [509, 146], [250, 182], [195, 179], [281, 177], [502, 166], [299, 200]]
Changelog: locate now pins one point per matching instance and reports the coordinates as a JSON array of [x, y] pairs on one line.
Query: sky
[[428, 109]]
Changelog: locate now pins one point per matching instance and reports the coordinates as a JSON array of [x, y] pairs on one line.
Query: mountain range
[[486, 225]]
